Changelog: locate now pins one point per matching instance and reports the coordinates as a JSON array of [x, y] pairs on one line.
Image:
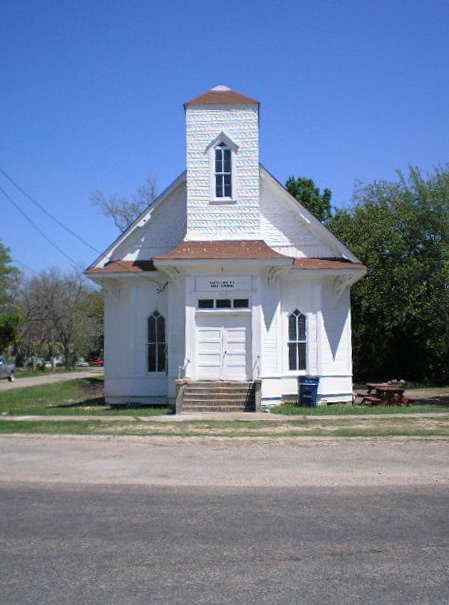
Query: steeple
[[222, 166]]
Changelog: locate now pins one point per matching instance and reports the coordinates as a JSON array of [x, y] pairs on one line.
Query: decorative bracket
[[344, 282], [171, 272], [276, 272], [112, 288]]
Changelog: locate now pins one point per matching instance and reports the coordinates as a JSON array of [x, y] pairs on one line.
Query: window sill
[[294, 373], [222, 201], [226, 311]]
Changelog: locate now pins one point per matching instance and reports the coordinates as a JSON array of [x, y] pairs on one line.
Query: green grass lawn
[[291, 409], [375, 426], [84, 396], [79, 396]]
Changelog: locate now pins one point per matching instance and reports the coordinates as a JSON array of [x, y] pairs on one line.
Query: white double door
[[223, 346]]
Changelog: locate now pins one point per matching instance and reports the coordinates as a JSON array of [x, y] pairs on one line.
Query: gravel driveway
[[33, 381]]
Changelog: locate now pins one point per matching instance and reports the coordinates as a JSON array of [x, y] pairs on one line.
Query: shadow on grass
[[158, 408], [434, 400], [94, 402], [98, 404]]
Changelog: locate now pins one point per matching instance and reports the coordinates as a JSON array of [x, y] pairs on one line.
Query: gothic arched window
[[157, 347], [223, 171], [297, 341]]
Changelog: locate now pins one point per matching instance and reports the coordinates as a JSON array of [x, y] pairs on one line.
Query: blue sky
[[92, 95]]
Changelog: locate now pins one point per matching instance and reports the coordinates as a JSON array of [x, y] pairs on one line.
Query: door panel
[[223, 347], [235, 357], [209, 358]]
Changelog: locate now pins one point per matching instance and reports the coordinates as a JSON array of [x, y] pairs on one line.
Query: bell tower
[[223, 193]]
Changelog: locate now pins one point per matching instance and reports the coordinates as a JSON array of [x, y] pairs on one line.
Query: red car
[[96, 362]]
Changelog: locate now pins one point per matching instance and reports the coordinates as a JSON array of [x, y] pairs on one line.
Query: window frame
[[220, 175], [156, 315], [223, 141], [214, 307], [297, 341]]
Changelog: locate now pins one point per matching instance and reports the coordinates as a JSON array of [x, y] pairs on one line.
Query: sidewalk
[[212, 416]]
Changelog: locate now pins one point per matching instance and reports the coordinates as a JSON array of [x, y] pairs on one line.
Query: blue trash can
[[307, 391]]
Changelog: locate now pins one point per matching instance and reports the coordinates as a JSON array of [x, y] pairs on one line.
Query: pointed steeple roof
[[221, 94]]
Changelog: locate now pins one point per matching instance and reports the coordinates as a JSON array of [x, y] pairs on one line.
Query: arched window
[[297, 341], [223, 171], [157, 348]]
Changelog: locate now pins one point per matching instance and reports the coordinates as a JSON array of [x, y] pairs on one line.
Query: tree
[[62, 313], [124, 211], [10, 329], [9, 280], [92, 331], [10, 320], [400, 230], [306, 192]]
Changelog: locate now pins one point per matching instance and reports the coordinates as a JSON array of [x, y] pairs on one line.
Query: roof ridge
[[221, 94]]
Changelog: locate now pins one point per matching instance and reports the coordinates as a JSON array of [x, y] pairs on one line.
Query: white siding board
[[284, 230], [270, 326], [164, 230], [126, 314], [335, 343]]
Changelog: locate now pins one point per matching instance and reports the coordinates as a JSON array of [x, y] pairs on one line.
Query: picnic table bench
[[385, 394]]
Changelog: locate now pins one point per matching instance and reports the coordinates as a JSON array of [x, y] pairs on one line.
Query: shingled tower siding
[[239, 220]]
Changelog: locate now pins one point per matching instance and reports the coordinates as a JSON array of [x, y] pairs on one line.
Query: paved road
[[153, 545], [32, 381], [168, 520]]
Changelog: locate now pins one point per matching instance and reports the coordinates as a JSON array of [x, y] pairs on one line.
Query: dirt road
[[177, 461]]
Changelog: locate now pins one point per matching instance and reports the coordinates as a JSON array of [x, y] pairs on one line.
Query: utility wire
[[33, 224], [57, 221], [77, 265], [26, 267]]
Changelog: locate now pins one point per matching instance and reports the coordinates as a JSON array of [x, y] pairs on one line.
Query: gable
[[292, 230], [164, 230], [159, 229]]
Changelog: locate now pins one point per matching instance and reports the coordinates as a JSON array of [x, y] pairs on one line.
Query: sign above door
[[219, 283]]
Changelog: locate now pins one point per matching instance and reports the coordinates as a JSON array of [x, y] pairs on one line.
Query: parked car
[[7, 370], [82, 364], [96, 362]]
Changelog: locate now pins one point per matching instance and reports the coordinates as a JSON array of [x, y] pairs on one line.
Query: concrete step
[[233, 386], [217, 390], [219, 408], [218, 387], [216, 395], [215, 402], [215, 383]]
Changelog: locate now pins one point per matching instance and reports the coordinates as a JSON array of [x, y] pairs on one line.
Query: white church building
[[225, 280]]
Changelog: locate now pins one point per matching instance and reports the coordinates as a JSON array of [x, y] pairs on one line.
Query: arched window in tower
[[297, 341], [157, 347], [223, 171]]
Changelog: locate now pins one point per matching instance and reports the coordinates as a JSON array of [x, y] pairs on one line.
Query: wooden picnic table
[[385, 394]]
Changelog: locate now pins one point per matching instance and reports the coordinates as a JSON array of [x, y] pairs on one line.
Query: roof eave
[[164, 262], [336, 271]]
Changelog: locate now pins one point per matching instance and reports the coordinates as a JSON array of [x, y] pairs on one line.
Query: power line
[[33, 224], [45, 211], [75, 263], [16, 260]]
